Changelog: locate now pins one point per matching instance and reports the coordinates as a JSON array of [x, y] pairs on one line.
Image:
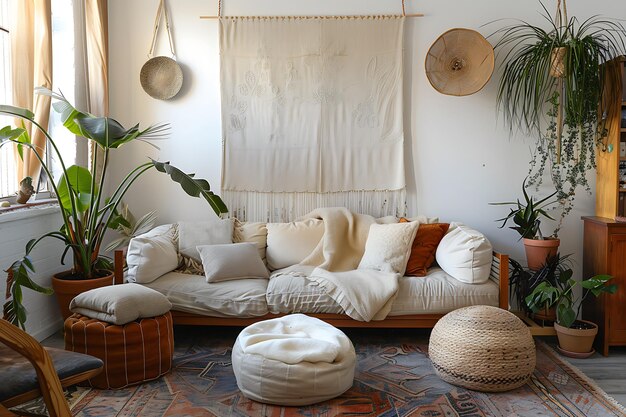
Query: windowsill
[[28, 210]]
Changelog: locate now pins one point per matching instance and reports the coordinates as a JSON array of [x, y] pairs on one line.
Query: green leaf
[[17, 111], [22, 139], [7, 134], [80, 186], [565, 315], [193, 187]]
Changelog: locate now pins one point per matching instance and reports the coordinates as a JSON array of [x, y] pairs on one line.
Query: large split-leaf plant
[[85, 212], [553, 85]]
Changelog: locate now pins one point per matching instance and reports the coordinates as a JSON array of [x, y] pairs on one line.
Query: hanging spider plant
[[553, 85]]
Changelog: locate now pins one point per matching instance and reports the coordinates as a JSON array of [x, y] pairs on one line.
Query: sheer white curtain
[[80, 65]]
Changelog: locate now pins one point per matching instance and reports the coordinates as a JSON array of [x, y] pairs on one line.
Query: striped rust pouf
[[482, 348], [135, 352]]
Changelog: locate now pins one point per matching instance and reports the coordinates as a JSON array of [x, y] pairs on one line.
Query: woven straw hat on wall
[[460, 62]]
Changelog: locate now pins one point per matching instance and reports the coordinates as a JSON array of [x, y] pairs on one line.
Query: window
[[8, 174], [66, 52]]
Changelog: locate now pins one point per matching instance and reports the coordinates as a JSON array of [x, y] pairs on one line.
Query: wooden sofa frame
[[499, 274]]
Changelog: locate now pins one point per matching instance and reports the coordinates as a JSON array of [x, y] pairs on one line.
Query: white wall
[[16, 229], [459, 157]]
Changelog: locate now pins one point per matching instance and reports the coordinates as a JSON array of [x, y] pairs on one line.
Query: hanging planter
[[552, 87]]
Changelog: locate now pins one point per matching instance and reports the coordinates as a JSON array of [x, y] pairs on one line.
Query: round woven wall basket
[[482, 348], [460, 62], [161, 77]]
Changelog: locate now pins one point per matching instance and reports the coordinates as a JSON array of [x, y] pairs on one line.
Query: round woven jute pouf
[[482, 348]]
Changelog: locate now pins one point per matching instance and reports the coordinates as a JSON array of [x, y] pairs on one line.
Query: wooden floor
[[608, 372]]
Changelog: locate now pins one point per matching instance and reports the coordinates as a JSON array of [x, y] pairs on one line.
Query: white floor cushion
[[439, 293], [293, 360], [191, 293]]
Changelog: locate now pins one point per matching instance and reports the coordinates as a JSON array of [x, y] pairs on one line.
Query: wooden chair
[[28, 370]]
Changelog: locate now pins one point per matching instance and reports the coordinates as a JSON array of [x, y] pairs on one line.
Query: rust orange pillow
[[424, 247]]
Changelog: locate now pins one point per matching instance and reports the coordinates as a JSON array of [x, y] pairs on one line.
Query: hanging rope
[[162, 10], [219, 8], [560, 18], [403, 10]]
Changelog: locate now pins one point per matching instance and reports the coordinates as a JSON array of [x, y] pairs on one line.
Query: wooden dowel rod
[[318, 17]]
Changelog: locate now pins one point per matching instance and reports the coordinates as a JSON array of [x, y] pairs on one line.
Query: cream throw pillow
[[465, 254], [192, 234], [120, 304], [151, 255], [388, 247], [290, 243], [255, 232], [230, 262]]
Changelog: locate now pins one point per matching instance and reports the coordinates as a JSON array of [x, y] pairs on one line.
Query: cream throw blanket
[[364, 294]]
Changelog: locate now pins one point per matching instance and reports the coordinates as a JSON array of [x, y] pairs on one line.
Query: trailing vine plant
[[553, 86]]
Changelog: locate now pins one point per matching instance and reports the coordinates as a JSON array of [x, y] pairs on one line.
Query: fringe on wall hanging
[[285, 207]]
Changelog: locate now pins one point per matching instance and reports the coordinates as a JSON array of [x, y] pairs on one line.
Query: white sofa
[[152, 259]]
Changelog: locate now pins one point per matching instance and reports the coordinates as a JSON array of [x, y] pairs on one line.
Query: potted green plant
[[523, 281], [553, 86], [26, 190], [85, 212], [527, 217], [575, 336]]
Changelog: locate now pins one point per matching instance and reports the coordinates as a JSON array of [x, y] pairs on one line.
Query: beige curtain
[[96, 68], [31, 52]]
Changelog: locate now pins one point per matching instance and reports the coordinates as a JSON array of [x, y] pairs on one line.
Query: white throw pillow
[[290, 243], [192, 234], [465, 254], [151, 255], [388, 247], [254, 232], [120, 304], [233, 261]]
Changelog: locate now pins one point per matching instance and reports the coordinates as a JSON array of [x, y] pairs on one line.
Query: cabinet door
[[617, 301]]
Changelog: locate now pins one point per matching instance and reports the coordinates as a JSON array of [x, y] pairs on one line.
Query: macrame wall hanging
[[312, 115]]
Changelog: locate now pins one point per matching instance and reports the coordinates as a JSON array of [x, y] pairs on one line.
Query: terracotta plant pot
[[66, 289], [546, 314], [538, 251], [576, 340]]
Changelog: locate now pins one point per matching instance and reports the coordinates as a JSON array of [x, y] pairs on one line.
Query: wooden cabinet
[[611, 162], [604, 252]]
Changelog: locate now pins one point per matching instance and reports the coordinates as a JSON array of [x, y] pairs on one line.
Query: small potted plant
[[26, 190], [575, 336], [523, 282], [527, 218]]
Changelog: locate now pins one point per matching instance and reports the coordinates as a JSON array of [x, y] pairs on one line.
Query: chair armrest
[[500, 275], [49, 383]]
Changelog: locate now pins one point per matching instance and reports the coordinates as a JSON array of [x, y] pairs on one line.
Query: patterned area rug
[[394, 378]]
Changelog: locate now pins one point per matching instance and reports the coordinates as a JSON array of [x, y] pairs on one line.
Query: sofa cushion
[[424, 247], [191, 293], [297, 294], [290, 243], [439, 293], [465, 254], [193, 234], [120, 304], [388, 247], [255, 232], [151, 255], [232, 261]]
